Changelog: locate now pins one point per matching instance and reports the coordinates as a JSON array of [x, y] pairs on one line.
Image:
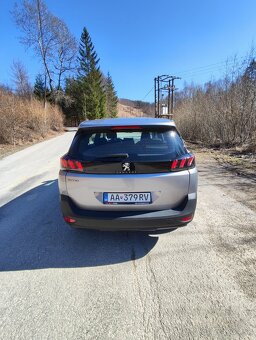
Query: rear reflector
[[69, 219], [187, 219]]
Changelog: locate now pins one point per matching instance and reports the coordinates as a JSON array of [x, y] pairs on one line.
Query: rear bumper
[[129, 220]]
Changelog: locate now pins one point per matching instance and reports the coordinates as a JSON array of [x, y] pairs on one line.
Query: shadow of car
[[34, 236]]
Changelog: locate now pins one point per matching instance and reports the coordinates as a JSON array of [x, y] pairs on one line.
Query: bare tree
[[5, 88], [48, 36], [64, 52], [21, 80], [221, 112]]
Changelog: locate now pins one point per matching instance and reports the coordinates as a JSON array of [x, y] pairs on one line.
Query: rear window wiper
[[114, 155]]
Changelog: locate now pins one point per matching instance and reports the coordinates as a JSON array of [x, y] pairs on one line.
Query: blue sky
[[138, 40]]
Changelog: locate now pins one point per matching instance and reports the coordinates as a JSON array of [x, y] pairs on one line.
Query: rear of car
[[128, 174]]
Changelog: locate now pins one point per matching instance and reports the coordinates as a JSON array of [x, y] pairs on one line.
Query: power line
[[215, 65], [201, 70], [147, 93], [210, 69]]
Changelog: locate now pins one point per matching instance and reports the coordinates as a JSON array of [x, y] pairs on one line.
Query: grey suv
[[128, 174]]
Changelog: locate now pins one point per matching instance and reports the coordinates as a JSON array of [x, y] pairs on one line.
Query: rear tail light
[[69, 164], [190, 160], [63, 163], [184, 163], [79, 166], [174, 164]]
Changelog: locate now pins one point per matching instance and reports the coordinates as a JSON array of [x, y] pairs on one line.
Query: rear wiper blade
[[114, 155]]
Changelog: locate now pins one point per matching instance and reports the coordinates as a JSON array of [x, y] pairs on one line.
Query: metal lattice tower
[[164, 96]]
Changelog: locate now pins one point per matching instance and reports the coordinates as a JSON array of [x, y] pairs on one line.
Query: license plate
[[126, 197]]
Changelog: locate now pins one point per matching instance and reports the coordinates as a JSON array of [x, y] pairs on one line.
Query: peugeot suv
[[128, 174]]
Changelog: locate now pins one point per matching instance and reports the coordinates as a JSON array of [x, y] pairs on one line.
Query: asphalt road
[[197, 282]]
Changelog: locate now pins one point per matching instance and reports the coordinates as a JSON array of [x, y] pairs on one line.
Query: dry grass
[[26, 120], [125, 111], [237, 159]]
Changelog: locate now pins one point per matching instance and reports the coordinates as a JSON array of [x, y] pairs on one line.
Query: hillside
[[125, 111], [129, 108]]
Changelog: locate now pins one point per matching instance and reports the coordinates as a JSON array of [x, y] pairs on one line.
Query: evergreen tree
[[74, 105], [39, 87], [42, 92], [250, 72], [111, 97], [92, 100]]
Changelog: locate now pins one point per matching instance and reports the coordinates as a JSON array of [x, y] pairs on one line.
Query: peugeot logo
[[126, 167]]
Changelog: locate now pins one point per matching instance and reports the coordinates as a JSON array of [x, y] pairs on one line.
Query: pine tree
[[74, 91], [250, 71], [111, 97], [39, 88], [92, 100]]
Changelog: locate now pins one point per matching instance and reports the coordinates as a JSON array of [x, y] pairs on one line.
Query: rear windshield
[[137, 145]]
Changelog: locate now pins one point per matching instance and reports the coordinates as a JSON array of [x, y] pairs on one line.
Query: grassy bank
[[25, 120], [240, 160]]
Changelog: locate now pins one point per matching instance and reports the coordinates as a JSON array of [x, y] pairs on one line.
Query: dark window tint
[[138, 145]]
